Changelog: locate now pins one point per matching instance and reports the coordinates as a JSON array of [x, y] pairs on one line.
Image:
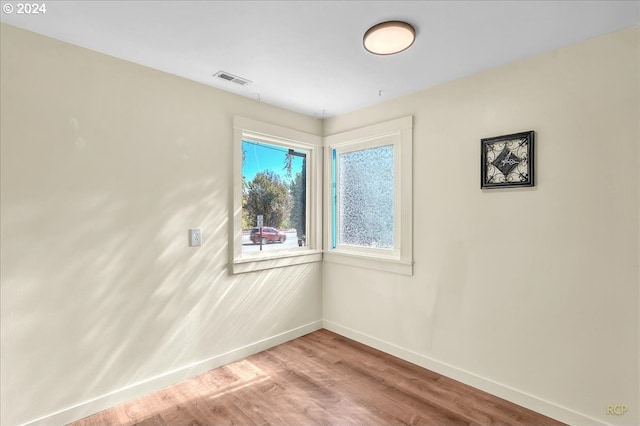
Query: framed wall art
[[507, 161]]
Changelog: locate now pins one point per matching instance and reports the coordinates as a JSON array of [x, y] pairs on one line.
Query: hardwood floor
[[319, 379]]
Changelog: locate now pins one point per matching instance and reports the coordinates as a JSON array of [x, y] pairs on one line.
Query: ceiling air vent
[[232, 78]]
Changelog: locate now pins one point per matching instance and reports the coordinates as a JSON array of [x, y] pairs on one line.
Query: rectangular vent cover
[[232, 78]]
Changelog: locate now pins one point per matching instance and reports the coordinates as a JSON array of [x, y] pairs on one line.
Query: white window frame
[[248, 129], [399, 134]]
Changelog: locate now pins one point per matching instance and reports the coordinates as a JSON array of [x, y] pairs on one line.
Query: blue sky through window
[[260, 157]]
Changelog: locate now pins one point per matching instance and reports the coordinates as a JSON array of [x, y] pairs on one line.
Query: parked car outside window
[[269, 235]]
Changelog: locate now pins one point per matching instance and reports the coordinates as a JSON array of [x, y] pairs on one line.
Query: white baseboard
[[154, 384], [157, 383], [498, 389]]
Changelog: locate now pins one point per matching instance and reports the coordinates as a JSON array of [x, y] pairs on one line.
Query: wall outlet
[[195, 237]]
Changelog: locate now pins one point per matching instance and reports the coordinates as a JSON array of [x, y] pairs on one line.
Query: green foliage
[[266, 195], [297, 219], [288, 164]]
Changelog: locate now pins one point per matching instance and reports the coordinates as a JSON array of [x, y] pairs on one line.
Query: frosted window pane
[[365, 197]]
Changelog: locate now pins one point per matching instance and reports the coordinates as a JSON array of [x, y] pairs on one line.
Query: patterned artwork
[[507, 161]]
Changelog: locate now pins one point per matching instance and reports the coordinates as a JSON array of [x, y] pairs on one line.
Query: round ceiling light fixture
[[388, 38]]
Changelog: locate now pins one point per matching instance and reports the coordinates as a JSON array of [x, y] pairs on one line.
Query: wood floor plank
[[477, 407], [377, 371], [319, 379]]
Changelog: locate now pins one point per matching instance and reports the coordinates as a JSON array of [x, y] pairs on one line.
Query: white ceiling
[[307, 56]]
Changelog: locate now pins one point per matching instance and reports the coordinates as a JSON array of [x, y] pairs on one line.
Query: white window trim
[[245, 128], [400, 259]]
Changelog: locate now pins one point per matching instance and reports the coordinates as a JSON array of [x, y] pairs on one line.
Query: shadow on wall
[[101, 291]]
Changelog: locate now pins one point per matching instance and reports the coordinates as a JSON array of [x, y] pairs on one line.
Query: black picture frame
[[507, 161]]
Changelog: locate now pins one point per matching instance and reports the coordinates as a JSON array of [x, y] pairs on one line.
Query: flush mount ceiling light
[[387, 38]]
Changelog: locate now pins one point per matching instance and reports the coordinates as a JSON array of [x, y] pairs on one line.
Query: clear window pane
[[274, 187], [365, 194]]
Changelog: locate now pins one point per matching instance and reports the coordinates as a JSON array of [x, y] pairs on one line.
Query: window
[[368, 205], [276, 195], [364, 203]]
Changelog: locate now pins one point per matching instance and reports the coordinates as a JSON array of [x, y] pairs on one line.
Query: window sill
[[255, 263], [378, 263]]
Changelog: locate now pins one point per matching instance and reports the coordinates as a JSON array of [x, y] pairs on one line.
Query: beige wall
[[529, 293], [105, 167]]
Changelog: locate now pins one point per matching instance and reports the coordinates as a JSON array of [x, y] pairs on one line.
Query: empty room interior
[[320, 212]]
